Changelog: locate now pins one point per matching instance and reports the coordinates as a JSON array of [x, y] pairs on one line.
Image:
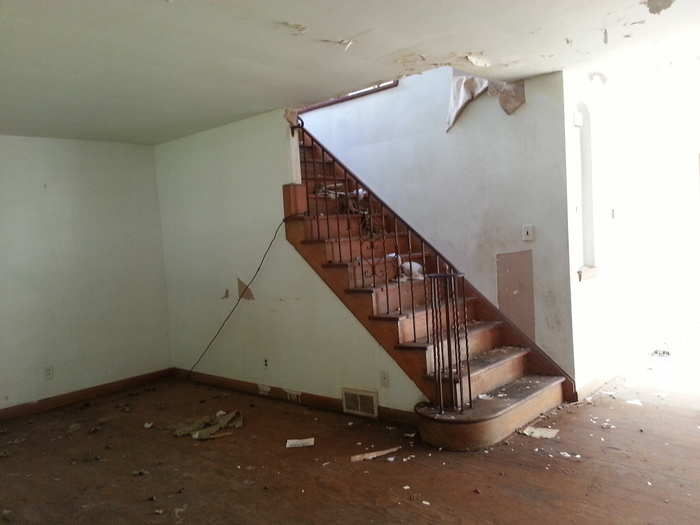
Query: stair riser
[[328, 227], [406, 334], [404, 292], [479, 341], [454, 436], [497, 376], [346, 250]]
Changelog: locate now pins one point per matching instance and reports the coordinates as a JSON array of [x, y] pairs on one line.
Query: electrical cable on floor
[[240, 297]]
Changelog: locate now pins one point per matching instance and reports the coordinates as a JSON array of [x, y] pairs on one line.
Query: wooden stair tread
[[406, 257], [513, 395], [344, 238], [473, 327], [487, 360]]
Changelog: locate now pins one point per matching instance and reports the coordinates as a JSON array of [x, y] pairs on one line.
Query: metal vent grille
[[360, 402]]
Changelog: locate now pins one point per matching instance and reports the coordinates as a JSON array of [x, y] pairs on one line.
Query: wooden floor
[[77, 466]]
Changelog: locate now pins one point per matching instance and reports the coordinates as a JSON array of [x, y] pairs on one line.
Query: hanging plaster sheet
[[466, 88]]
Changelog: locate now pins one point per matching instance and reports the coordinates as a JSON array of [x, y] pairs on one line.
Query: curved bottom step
[[493, 417]]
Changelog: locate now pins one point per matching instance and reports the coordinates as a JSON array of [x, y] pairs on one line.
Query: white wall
[[221, 199], [81, 270], [644, 154], [469, 191]]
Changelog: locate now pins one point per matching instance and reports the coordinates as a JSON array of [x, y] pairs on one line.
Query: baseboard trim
[[79, 396], [300, 398]]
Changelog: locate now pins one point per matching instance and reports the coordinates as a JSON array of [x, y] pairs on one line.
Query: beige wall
[[221, 199], [471, 190], [81, 269]]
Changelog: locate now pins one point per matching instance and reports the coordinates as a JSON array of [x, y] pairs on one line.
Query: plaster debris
[[409, 434], [371, 455], [300, 443], [485, 397], [607, 426], [210, 427], [73, 428], [426, 503], [539, 433], [565, 454], [407, 487], [148, 425], [635, 402], [657, 6]]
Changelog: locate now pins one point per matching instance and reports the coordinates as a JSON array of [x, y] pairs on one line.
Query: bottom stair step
[[493, 416]]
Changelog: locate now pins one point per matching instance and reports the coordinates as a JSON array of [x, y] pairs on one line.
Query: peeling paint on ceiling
[[148, 72], [657, 6]]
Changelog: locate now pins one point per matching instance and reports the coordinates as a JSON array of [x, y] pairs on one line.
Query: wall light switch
[[528, 232]]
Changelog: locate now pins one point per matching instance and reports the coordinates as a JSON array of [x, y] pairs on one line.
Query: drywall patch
[[245, 291], [516, 291], [657, 6]]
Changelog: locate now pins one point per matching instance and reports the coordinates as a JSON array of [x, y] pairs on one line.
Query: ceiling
[[148, 71]]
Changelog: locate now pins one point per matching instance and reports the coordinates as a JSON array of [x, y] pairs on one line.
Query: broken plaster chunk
[[300, 443], [635, 402], [540, 433]]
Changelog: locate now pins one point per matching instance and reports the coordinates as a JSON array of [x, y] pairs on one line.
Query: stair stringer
[[385, 332]]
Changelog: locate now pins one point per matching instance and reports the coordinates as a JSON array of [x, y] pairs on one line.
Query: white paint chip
[[635, 402]]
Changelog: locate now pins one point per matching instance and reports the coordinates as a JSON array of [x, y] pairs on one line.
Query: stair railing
[[412, 276]]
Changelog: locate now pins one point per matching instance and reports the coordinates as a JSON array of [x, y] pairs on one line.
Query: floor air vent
[[360, 402]]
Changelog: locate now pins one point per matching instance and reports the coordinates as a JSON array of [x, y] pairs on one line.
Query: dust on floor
[[103, 463]]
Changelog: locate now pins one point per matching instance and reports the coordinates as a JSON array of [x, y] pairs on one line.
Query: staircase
[[483, 377]]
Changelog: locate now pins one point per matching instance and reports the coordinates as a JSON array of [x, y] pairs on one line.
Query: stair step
[[338, 250], [514, 393], [487, 361]]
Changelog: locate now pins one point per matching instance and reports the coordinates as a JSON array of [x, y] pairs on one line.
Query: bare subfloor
[[96, 463]]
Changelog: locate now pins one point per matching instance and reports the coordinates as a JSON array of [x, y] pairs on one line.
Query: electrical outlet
[[48, 373], [384, 379], [528, 233]]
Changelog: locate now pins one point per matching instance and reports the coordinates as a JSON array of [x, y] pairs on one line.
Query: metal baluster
[[359, 216], [386, 265], [410, 265], [466, 340], [425, 291], [371, 238], [398, 266]]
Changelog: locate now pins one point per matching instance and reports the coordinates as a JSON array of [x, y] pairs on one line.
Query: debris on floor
[[539, 433], [371, 455], [210, 427], [485, 397], [635, 402], [148, 425], [299, 443]]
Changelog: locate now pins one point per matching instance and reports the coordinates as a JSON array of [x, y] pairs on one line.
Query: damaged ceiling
[[148, 71]]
